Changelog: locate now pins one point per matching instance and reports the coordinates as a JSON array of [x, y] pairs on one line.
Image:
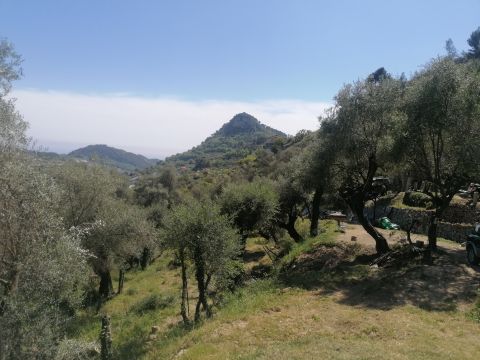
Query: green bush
[[232, 276], [151, 303], [417, 199], [474, 314]]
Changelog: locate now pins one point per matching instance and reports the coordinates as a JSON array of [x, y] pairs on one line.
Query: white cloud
[[155, 127]]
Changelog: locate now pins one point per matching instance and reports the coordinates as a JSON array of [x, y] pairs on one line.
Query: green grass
[[130, 324], [326, 237], [269, 319], [474, 313]]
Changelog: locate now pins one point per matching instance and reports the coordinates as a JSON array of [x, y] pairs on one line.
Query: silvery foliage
[[42, 267], [77, 350], [10, 66]]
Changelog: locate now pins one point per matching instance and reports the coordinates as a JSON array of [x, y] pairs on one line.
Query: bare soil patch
[[445, 284]]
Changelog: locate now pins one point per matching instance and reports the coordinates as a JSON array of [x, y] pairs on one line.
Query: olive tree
[[121, 230], [360, 129], [252, 206], [10, 66], [201, 235], [314, 169], [293, 191], [42, 266], [441, 132], [474, 43]]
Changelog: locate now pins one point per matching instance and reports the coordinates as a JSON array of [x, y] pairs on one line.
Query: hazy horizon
[[157, 78], [62, 122]]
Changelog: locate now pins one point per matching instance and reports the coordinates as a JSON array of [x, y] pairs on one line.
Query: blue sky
[[241, 52]]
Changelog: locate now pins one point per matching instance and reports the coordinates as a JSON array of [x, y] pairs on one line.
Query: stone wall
[[461, 215], [447, 230]]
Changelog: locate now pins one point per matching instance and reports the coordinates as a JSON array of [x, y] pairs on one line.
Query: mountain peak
[[244, 123], [237, 138]]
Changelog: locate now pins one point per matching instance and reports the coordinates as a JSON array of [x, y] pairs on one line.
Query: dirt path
[[450, 280], [392, 236]]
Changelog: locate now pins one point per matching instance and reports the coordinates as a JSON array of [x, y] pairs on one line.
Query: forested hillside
[[113, 157], [235, 140], [101, 154]]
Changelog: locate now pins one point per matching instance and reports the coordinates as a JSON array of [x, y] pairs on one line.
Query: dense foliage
[[108, 155], [241, 136]]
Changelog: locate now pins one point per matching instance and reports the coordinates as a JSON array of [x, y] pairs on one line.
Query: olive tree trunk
[[105, 289], [290, 226], [202, 285], [184, 304], [315, 213], [121, 280]]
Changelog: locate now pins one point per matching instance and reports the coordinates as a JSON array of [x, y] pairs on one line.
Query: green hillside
[[113, 157], [241, 136]]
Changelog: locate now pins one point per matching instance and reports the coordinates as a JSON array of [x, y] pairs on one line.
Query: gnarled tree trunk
[[105, 289], [315, 213], [184, 305], [202, 285], [290, 226], [145, 259], [355, 195], [381, 244]]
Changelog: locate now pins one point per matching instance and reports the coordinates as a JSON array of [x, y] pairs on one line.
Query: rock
[[180, 353], [93, 352], [152, 337]]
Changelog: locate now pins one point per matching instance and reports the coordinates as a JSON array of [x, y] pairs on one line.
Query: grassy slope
[[266, 320]]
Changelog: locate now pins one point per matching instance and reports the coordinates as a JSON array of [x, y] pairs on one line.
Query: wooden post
[[121, 280], [106, 339]]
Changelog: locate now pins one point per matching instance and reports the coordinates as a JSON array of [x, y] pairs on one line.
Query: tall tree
[[442, 105], [474, 42], [42, 266], [359, 128], [316, 175], [252, 206], [292, 201], [10, 66], [117, 230], [200, 234]]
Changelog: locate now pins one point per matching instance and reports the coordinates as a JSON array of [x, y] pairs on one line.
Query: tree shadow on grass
[[253, 256], [134, 348], [437, 287]]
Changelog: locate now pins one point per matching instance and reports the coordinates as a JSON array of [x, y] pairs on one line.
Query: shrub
[[151, 303], [71, 349], [418, 199], [231, 276], [474, 314]]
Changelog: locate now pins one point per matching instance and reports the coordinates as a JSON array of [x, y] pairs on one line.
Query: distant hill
[[113, 157], [236, 139]]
